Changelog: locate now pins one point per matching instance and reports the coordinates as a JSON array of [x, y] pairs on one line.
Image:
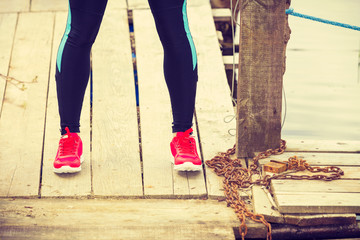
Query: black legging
[[73, 59]]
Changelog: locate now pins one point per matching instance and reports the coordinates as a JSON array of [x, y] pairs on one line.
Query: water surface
[[322, 73]]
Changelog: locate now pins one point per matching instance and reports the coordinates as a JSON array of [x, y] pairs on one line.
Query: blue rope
[[344, 25]]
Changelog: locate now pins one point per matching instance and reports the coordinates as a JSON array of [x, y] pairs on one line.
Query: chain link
[[237, 176]]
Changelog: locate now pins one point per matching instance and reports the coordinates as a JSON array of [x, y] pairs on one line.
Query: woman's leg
[[180, 62], [180, 70], [73, 59], [72, 75]]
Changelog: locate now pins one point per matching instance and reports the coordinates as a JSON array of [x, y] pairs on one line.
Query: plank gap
[[137, 97], [201, 151], [9, 63], [91, 125], [46, 105]]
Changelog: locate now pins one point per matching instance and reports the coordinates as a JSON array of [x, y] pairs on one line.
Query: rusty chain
[[237, 176]]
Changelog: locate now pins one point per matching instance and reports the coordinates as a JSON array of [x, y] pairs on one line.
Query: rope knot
[[289, 11]]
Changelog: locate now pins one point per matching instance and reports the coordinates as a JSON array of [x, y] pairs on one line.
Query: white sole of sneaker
[[187, 166], [68, 169]]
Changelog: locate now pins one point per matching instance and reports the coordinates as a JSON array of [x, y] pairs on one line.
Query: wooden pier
[[127, 188]]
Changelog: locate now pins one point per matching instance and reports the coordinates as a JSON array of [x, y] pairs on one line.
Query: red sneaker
[[183, 148], [69, 155]]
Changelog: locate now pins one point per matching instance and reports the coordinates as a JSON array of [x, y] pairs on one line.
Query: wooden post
[[264, 33]]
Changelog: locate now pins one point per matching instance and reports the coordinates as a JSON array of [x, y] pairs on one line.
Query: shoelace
[[67, 144], [185, 142]]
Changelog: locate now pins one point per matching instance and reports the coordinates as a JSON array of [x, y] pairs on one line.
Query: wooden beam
[[261, 67], [120, 219], [317, 202], [332, 231], [263, 206]]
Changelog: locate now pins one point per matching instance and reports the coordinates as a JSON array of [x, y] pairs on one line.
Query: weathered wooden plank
[[320, 219], [319, 159], [116, 5], [221, 14], [23, 114], [7, 27], [261, 68], [213, 101], [125, 219], [262, 205], [315, 202], [14, 6], [63, 184], [230, 60], [222, 4], [141, 4], [115, 143], [46, 5], [61, 5], [325, 232], [350, 173], [155, 114], [337, 186], [155, 111], [296, 145]]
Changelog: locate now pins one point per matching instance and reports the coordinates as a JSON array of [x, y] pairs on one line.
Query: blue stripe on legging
[[188, 34], [63, 41]]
